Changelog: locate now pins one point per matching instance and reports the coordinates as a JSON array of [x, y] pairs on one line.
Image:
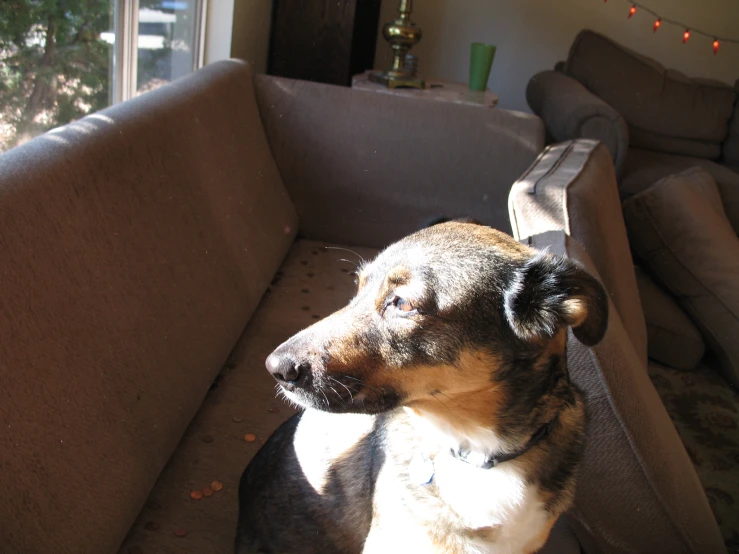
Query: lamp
[[402, 34]]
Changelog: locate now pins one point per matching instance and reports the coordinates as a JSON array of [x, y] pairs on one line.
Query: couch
[[674, 142], [153, 254], [654, 121]]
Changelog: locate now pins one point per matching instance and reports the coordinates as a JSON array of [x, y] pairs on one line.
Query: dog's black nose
[[283, 368]]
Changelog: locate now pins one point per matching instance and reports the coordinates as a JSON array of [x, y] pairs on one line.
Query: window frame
[[125, 48]]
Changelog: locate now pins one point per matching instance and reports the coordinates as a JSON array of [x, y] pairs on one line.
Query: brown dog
[[439, 415]]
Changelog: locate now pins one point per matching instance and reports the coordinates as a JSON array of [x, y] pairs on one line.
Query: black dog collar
[[493, 461]]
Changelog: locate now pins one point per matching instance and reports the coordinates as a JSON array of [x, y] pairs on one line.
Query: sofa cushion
[[312, 283], [680, 234], [706, 414], [644, 168], [673, 338], [571, 187], [366, 168], [637, 489], [658, 142], [134, 245], [731, 144], [660, 105]]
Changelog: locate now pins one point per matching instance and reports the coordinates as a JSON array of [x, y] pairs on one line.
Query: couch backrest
[[134, 245], [665, 110], [367, 168]]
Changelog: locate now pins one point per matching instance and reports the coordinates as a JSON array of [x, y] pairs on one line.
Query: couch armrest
[[637, 489], [572, 187], [571, 111]]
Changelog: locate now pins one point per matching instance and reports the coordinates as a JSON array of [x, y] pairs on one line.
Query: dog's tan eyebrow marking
[[398, 276]]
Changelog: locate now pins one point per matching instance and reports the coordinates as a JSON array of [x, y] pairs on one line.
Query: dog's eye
[[402, 304]]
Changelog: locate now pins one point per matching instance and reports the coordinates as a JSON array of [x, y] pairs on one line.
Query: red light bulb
[[656, 25], [715, 46], [686, 35], [632, 11]]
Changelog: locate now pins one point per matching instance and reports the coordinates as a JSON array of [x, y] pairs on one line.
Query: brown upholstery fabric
[[731, 144], [658, 104], [637, 490], [570, 111], [366, 168], [311, 283], [644, 168], [673, 145], [674, 339], [678, 230], [572, 188], [134, 246]]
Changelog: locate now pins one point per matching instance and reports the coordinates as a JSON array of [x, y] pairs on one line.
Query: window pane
[[55, 65], [167, 46]]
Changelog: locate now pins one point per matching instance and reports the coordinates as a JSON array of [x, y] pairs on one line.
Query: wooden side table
[[443, 91]]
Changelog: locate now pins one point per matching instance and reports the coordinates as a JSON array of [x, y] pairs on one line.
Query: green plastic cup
[[481, 60]]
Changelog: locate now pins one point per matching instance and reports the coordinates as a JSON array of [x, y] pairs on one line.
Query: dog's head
[[449, 310]]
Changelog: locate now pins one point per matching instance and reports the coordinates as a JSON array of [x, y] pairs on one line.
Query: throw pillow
[[673, 339], [679, 231]]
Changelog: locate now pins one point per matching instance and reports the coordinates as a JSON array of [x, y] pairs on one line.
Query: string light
[[688, 30]]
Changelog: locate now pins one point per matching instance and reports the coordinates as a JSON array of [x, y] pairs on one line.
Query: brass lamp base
[[394, 79]]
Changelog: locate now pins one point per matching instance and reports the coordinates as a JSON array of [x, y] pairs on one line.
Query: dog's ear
[[548, 292]]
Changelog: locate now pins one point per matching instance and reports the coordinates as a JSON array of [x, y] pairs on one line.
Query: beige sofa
[[654, 121], [153, 254]]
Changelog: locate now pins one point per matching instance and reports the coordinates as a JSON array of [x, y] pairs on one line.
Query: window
[[62, 59]]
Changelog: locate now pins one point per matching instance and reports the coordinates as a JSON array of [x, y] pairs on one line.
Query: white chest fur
[[497, 498], [496, 509]]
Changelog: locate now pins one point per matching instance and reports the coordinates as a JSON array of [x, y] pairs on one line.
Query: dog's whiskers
[[362, 383], [343, 385], [346, 250], [355, 264], [336, 393], [324, 397]]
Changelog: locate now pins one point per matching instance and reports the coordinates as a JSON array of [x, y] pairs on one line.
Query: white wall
[[532, 35]]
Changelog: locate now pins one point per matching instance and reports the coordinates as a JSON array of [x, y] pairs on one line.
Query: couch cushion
[[637, 490], [660, 105], [706, 414], [657, 142], [134, 245], [673, 338], [366, 168], [730, 148], [644, 168], [572, 188], [678, 230], [312, 283]]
